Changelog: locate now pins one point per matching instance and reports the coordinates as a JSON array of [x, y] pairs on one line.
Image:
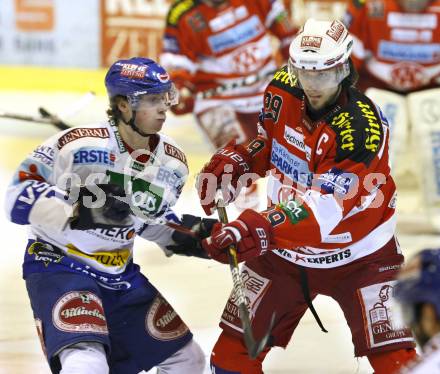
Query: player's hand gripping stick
[[254, 347]]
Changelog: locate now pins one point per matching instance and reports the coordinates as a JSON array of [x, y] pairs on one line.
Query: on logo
[[246, 59], [407, 75]]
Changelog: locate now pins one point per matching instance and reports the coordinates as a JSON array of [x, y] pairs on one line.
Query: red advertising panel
[[131, 28]]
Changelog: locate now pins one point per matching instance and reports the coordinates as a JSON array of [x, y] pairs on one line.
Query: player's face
[[414, 5], [151, 112], [319, 97], [320, 86]]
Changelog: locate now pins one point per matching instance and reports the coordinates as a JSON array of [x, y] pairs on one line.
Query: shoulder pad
[[281, 79], [171, 149], [178, 9], [358, 128]]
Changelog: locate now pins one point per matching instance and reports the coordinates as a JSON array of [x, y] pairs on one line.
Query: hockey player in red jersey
[[210, 47], [330, 225], [396, 43], [220, 56], [396, 50]]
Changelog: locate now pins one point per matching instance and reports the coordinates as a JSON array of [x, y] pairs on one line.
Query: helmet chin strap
[[131, 123]]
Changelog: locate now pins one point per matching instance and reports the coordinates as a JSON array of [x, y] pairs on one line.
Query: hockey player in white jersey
[[418, 292], [86, 193]]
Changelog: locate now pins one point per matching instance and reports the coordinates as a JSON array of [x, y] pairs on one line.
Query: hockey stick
[[254, 347], [53, 119], [48, 121]]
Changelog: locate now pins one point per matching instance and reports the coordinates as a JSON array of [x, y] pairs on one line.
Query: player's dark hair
[[113, 112], [353, 77]]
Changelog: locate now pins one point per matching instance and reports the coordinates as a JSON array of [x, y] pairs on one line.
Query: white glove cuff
[[51, 213], [234, 232]]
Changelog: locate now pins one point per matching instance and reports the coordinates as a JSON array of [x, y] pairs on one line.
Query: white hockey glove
[[52, 210]]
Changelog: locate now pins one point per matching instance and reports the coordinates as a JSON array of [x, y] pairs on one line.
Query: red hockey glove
[[186, 102], [223, 173], [250, 233], [182, 81]]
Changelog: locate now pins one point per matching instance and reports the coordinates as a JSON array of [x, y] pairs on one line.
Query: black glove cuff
[[114, 213], [188, 245]]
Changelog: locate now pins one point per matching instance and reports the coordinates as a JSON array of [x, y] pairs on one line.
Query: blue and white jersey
[[44, 191]]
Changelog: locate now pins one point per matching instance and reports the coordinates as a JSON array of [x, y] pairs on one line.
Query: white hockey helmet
[[323, 46]]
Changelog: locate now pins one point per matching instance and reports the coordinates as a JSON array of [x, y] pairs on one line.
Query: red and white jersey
[[393, 49], [331, 195], [429, 361], [213, 47]]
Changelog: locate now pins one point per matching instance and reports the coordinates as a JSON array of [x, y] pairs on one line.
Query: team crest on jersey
[[408, 75], [384, 325], [79, 311], [162, 322], [376, 9], [197, 22]]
